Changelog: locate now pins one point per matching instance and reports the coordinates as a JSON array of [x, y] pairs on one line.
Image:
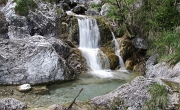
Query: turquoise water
[[66, 92]]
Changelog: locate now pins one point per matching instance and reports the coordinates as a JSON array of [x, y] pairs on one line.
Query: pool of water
[[61, 93]]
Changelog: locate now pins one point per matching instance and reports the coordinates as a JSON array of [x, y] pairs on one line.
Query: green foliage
[[167, 45], [59, 11], [166, 14], [119, 9], [23, 6], [156, 15], [158, 97], [96, 6]]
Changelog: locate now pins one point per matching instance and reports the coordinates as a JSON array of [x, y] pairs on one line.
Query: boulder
[[37, 60], [140, 68], [161, 70], [104, 30], [12, 104], [24, 88], [114, 61], [126, 48], [79, 9], [129, 64], [65, 7], [140, 43]]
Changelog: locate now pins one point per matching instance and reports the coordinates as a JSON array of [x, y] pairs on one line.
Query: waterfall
[[117, 51], [89, 46]]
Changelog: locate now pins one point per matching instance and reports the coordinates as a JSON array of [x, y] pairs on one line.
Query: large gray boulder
[[12, 104], [130, 96], [161, 70], [37, 60]]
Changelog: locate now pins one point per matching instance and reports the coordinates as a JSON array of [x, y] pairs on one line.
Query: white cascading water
[[89, 46], [117, 52]]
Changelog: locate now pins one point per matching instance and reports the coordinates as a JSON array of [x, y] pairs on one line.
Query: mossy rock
[[107, 50], [23, 6], [127, 49], [129, 64], [104, 29], [114, 61]]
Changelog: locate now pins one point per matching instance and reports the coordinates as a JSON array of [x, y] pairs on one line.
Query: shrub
[[23, 6], [158, 97], [167, 45]]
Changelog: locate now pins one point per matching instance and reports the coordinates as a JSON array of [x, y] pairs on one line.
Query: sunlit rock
[[24, 87]]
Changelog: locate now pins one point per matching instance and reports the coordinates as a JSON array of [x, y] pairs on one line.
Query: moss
[[114, 61], [23, 6], [105, 30], [158, 97]]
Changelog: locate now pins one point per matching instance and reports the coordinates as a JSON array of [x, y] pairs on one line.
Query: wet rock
[[77, 62], [129, 64], [24, 88], [40, 90], [126, 48], [104, 30], [79, 10], [12, 104], [114, 61]]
